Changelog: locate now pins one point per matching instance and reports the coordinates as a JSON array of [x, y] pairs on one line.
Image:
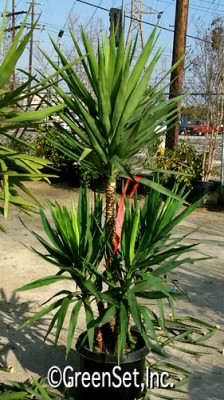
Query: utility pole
[[116, 23], [13, 38], [13, 19], [177, 76], [122, 15], [32, 35], [31, 41], [12, 30]]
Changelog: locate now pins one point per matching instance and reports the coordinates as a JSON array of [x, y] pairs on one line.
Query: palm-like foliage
[[118, 115], [16, 167], [142, 267], [109, 124], [37, 390], [77, 245]]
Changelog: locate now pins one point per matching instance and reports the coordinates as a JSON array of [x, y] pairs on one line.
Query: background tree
[[206, 82], [93, 28], [194, 111]]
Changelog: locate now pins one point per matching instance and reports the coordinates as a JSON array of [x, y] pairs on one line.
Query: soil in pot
[[108, 379]]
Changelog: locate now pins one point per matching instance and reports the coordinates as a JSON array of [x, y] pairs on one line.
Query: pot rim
[[134, 355]]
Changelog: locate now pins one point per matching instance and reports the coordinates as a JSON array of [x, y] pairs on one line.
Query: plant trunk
[[110, 206], [209, 152], [100, 341], [104, 334], [204, 172], [104, 337], [116, 333]]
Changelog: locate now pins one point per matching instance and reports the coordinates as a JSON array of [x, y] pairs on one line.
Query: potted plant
[[117, 115], [113, 279], [183, 165], [206, 60], [16, 166], [65, 167], [118, 260]]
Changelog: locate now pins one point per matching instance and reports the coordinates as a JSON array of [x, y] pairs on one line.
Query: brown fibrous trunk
[[110, 206]]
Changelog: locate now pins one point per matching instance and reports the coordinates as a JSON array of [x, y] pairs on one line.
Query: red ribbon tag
[[120, 215]]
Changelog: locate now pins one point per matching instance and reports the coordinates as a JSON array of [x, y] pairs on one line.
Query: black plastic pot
[[98, 185], [128, 377], [68, 173], [200, 189]]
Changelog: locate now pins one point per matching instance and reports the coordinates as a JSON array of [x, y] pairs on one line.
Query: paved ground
[[30, 357]]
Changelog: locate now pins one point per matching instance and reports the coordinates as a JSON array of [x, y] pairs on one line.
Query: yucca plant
[[14, 166], [122, 284], [108, 125], [119, 113], [76, 246]]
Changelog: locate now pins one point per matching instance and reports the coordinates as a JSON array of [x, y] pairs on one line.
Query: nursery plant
[[184, 164], [184, 161], [44, 149], [120, 263], [77, 245], [15, 167], [118, 116], [128, 281]]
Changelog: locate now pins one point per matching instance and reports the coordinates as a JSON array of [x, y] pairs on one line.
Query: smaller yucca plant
[[76, 246], [16, 167], [116, 282]]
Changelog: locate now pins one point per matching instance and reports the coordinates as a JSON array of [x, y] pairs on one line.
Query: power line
[[55, 30], [93, 5], [63, 28], [69, 14], [97, 8], [144, 22], [53, 26], [198, 7]]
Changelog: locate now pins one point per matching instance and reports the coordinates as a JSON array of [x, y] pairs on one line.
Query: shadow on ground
[[28, 346]]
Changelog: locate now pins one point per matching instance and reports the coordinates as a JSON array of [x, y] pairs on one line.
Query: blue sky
[[54, 14]]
